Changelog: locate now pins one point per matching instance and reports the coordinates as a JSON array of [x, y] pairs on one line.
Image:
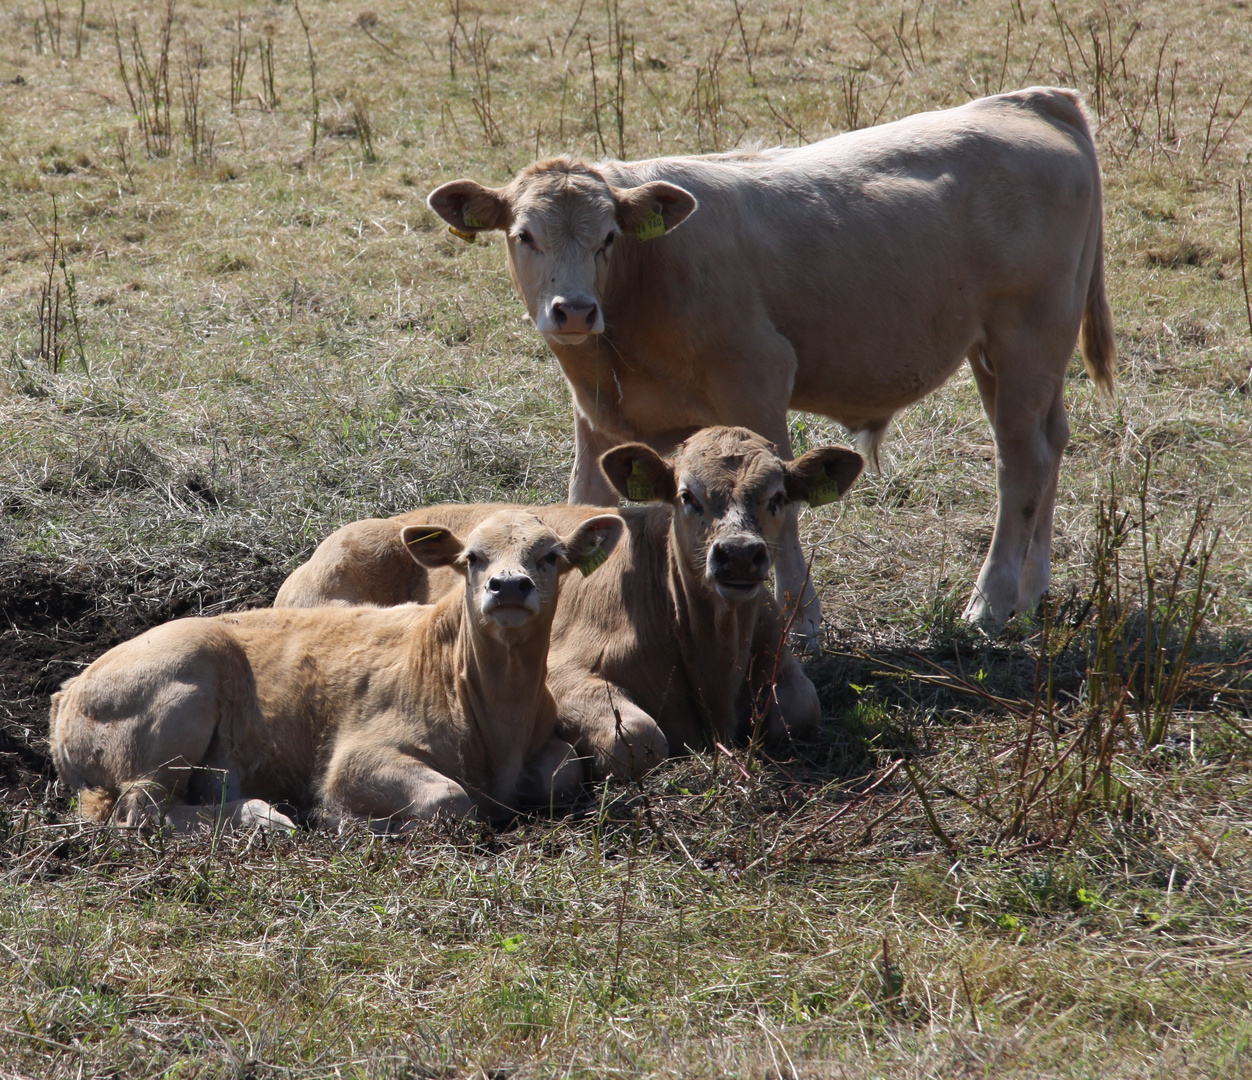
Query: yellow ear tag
[[651, 227], [596, 557], [823, 491], [471, 222], [638, 486], [468, 237], [422, 539]]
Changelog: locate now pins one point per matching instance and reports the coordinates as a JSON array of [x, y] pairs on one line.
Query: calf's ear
[[650, 210], [469, 208], [432, 546], [588, 546], [639, 473], [822, 475]]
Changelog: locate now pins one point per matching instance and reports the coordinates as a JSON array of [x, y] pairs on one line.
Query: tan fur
[[647, 655], [388, 715], [850, 277]]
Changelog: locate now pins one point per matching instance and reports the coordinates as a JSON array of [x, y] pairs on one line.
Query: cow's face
[[730, 492], [563, 222], [511, 563]]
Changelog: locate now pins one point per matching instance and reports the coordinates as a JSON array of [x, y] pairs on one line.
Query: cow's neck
[[502, 690], [715, 639], [610, 372]]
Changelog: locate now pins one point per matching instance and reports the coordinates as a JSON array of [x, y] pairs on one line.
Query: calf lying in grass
[[676, 641], [390, 715]]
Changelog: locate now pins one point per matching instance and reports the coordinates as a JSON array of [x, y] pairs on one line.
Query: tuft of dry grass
[[989, 864]]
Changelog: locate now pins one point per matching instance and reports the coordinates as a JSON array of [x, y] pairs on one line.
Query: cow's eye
[[473, 561], [689, 501], [524, 237], [608, 243], [550, 559], [776, 503]]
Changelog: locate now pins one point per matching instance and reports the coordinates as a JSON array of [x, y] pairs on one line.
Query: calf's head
[[511, 563], [563, 222], [730, 492]]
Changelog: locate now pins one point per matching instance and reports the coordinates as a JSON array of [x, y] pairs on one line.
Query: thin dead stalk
[[308, 41]]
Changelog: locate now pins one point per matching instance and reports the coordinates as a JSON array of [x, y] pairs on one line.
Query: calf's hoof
[[639, 745]]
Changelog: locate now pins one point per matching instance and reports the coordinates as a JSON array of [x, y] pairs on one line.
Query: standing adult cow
[[849, 278]]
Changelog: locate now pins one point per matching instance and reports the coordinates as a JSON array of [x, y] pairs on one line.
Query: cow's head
[[511, 563], [563, 220], [730, 492]]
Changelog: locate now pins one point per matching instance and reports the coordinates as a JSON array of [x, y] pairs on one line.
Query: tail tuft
[[1095, 334]]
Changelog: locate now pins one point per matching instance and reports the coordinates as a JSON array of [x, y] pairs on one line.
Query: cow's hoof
[[639, 745], [805, 638], [979, 615]]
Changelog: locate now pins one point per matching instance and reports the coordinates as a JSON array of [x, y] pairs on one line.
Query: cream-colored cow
[[387, 715], [675, 641], [850, 277]]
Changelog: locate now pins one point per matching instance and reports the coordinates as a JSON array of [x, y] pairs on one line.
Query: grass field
[[231, 324]]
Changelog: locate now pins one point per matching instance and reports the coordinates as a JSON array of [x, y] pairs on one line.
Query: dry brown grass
[[277, 337]]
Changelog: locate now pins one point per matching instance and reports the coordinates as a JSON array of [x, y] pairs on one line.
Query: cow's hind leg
[[1037, 570], [389, 788], [1020, 379]]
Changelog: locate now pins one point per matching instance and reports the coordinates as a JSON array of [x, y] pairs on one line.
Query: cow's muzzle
[[738, 567], [510, 599], [571, 319]]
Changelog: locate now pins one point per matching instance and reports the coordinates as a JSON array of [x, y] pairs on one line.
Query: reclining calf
[[390, 715], [676, 640]]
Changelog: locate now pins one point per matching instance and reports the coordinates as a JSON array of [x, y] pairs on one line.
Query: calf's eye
[[689, 501], [524, 237], [550, 559]]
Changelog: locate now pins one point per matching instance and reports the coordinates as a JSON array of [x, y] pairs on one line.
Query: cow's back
[[879, 254]]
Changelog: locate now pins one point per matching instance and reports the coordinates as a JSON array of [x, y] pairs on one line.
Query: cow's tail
[[1095, 335], [94, 803]]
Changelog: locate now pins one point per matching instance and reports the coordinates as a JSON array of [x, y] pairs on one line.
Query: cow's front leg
[[793, 585], [603, 723], [587, 484]]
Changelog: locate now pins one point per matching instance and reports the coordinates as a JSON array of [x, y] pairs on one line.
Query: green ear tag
[[638, 486], [823, 491], [471, 222], [468, 237], [594, 558], [422, 539], [651, 227]]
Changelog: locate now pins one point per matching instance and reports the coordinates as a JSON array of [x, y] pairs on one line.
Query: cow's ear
[[588, 546], [469, 208], [640, 473], [650, 210], [821, 476], [433, 546]]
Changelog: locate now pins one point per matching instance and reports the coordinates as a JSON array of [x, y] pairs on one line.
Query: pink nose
[[574, 316]]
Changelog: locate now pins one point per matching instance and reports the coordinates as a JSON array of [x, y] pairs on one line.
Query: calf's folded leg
[[388, 787], [602, 723]]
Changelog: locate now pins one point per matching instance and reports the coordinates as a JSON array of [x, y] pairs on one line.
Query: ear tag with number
[[594, 558], [638, 486], [651, 227], [823, 491], [468, 237], [471, 221]]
